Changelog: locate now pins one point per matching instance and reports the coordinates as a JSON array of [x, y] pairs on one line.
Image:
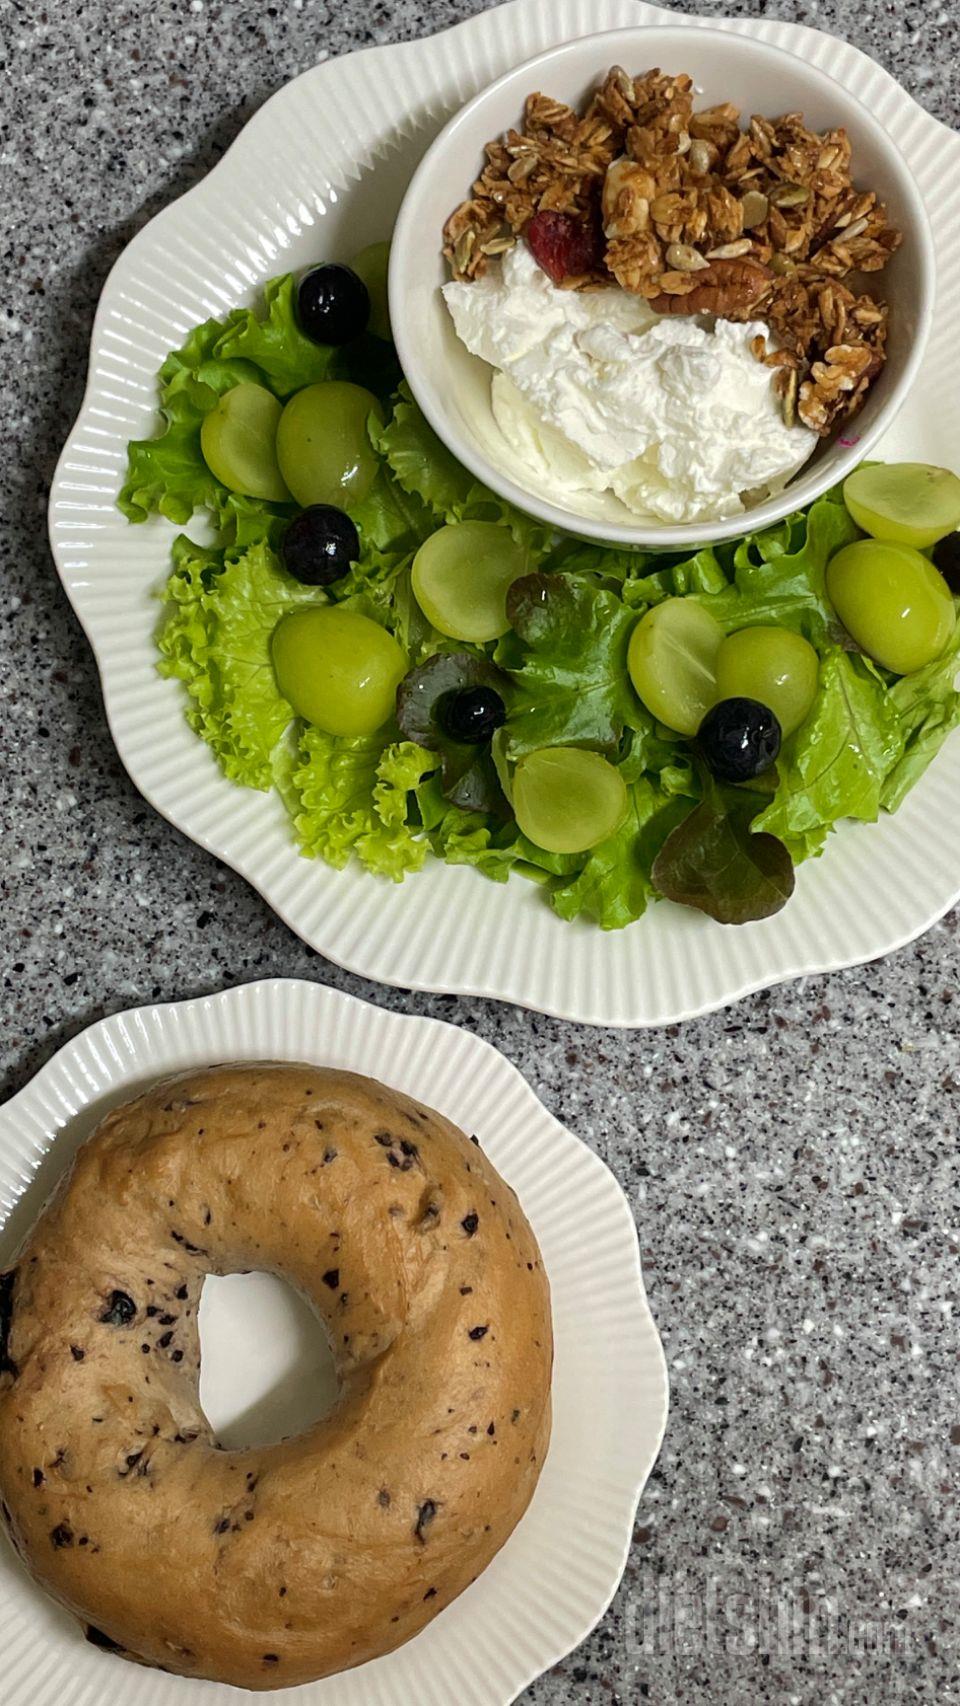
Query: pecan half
[[729, 288]]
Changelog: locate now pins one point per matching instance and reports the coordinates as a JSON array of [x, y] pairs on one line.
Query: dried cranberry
[[564, 246]]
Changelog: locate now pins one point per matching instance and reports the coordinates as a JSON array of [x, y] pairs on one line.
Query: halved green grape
[[371, 265], [239, 442], [567, 800], [909, 503], [673, 662], [893, 602], [461, 576], [323, 446], [772, 665], [337, 668]]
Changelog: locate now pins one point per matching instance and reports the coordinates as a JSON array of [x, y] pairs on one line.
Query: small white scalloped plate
[[555, 1577], [318, 171]]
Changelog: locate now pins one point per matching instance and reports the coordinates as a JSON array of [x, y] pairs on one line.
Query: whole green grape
[[238, 439], [566, 799], [337, 668], [323, 445], [893, 603], [778, 668]]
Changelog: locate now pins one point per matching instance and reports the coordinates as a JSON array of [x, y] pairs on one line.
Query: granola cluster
[[698, 216]]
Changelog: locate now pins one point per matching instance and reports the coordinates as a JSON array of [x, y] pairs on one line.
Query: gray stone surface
[[792, 1162]]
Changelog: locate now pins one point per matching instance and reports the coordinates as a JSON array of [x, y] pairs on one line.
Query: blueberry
[[946, 558], [333, 304], [739, 739], [319, 545], [119, 1309], [472, 714]]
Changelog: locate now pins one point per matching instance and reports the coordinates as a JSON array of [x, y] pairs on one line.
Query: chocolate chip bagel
[[270, 1567]]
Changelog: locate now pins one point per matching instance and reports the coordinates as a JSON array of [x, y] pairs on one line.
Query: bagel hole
[[266, 1368]]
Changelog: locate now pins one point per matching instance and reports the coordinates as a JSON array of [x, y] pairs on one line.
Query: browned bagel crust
[[271, 1567]]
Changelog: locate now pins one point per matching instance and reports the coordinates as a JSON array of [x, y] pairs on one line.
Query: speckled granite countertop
[[792, 1163]]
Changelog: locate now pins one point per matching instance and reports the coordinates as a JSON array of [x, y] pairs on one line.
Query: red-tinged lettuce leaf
[[714, 861], [467, 771], [567, 657]]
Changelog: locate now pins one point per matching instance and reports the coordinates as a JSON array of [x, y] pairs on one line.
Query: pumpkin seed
[[789, 195], [755, 209]]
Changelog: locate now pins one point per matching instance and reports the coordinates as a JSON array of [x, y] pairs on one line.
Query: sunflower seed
[[730, 251], [703, 156], [521, 168], [684, 258], [463, 249], [855, 230], [788, 400]]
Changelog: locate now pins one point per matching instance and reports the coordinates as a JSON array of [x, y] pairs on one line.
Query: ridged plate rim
[[555, 1577], [878, 886]]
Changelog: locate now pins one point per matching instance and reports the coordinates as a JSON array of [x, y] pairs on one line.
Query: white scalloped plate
[[555, 1577], [320, 170]]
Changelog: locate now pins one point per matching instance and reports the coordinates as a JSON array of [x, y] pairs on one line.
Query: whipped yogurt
[[594, 392]]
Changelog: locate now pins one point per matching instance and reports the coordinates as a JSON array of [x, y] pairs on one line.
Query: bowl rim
[[647, 535]]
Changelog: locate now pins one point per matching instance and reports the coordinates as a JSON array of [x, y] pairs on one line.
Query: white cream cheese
[[594, 392]]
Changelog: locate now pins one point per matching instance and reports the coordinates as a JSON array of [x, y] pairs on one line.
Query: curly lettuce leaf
[[221, 610], [167, 475], [700, 573], [273, 341], [928, 707], [614, 885], [838, 762], [390, 519], [424, 467], [463, 837], [780, 575], [353, 797], [567, 655], [197, 372]]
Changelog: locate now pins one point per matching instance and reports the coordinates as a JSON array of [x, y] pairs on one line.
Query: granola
[[698, 215]]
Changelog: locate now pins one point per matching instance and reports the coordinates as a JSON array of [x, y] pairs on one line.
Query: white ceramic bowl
[[453, 387]]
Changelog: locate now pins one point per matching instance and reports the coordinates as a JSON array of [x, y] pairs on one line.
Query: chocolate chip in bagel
[[425, 1515]]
